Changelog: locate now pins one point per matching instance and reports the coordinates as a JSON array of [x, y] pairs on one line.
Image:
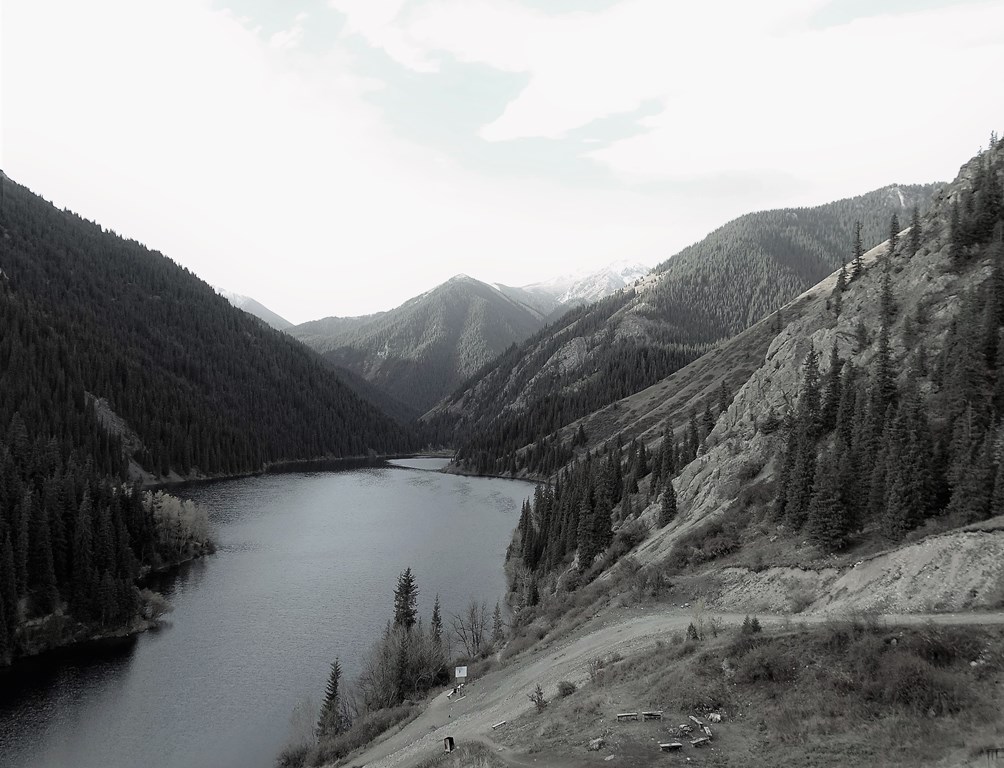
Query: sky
[[336, 157]]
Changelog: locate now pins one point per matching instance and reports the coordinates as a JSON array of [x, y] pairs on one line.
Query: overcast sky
[[339, 156]]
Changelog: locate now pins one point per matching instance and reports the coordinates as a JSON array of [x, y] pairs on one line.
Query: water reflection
[[305, 570]]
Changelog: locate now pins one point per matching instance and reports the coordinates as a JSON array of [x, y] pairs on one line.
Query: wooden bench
[[498, 725], [671, 746], [655, 714], [704, 740], [627, 716]]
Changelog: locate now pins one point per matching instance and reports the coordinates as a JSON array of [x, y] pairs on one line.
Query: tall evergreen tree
[[893, 237], [498, 627], [915, 231], [858, 262], [436, 625], [667, 509], [406, 600], [331, 722], [831, 391]]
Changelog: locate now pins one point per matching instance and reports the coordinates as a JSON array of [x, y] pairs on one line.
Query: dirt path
[[502, 695]]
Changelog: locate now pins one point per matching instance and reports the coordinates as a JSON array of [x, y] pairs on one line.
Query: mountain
[[599, 353], [831, 457], [423, 349], [126, 337], [255, 308], [555, 296], [600, 284], [119, 366]]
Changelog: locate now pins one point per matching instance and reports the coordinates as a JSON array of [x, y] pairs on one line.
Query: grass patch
[[849, 692]]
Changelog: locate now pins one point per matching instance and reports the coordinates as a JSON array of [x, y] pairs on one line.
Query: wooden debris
[[655, 714], [627, 716], [701, 741], [671, 746], [715, 717], [696, 721], [707, 731]]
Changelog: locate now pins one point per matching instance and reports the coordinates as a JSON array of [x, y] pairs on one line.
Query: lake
[[305, 571]]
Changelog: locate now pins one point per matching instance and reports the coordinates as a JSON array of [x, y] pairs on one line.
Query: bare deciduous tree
[[471, 627]]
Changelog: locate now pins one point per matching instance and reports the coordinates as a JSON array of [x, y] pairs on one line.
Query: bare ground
[[502, 695]]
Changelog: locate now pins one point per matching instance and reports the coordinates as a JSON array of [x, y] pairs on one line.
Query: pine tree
[[436, 625], [41, 574], [8, 583], [667, 510], [707, 421], [405, 600], [915, 231], [331, 722], [832, 393], [829, 517], [838, 290], [723, 398], [893, 237], [858, 262]]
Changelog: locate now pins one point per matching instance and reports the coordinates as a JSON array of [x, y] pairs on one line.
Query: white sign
[[461, 672]]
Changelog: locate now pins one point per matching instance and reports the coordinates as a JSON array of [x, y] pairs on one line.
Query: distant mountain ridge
[[599, 353], [424, 348], [256, 308]]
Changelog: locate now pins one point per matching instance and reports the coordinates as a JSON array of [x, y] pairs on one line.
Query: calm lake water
[[305, 571]]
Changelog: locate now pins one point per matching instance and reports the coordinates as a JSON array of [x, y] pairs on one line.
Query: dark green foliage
[[886, 457], [205, 386], [331, 721], [667, 508], [565, 688], [405, 600], [916, 232], [436, 625], [857, 262]]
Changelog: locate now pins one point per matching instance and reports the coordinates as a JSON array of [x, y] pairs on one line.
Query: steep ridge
[[598, 354], [838, 455], [423, 349], [207, 389]]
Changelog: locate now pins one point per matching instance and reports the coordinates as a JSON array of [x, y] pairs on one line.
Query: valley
[[817, 444]]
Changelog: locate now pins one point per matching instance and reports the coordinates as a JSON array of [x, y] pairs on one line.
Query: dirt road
[[502, 695]]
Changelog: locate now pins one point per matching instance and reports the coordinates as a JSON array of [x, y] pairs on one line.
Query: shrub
[[709, 542], [767, 663], [363, 730], [566, 688], [910, 682]]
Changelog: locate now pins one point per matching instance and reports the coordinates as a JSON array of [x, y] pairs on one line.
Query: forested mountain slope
[[422, 350], [849, 465], [204, 387], [597, 354], [115, 364]]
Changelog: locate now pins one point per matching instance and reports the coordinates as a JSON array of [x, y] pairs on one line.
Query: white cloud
[[287, 39], [745, 87], [266, 171], [264, 168]]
